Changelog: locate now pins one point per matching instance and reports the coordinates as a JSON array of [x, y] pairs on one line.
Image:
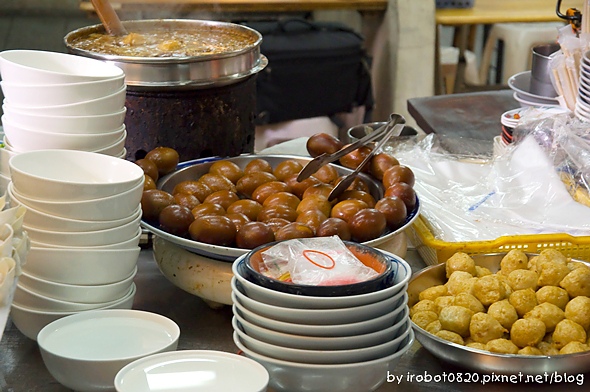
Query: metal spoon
[[108, 17], [393, 128]]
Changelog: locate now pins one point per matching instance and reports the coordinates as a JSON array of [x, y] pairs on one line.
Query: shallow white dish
[[192, 370], [319, 316], [338, 356], [521, 83], [333, 330], [85, 351], [323, 342], [273, 297], [359, 376], [30, 321], [131, 243], [525, 102]]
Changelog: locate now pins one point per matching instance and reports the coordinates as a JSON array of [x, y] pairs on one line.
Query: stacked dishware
[[520, 83], [318, 338], [60, 101], [582, 110], [83, 217]]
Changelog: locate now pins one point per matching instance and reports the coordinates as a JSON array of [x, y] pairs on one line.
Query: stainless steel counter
[[202, 327]]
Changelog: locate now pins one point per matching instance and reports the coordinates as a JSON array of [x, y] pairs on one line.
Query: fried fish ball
[[504, 312], [456, 319], [476, 345], [528, 350], [574, 347], [502, 346], [548, 348], [532, 264], [551, 273], [444, 301], [422, 305], [513, 260], [568, 331], [572, 265], [553, 294], [577, 282], [481, 271], [548, 313], [433, 327], [450, 336], [484, 328], [460, 261], [468, 301], [523, 301], [433, 292], [578, 310], [553, 255], [423, 318], [527, 332], [489, 289], [460, 282], [523, 279]]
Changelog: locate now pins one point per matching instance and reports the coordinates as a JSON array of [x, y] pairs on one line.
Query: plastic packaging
[[320, 261], [521, 191]]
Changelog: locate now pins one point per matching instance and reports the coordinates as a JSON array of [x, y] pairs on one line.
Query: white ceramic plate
[[195, 168], [193, 370], [521, 83]]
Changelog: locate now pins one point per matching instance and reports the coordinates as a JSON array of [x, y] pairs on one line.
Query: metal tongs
[[394, 127]]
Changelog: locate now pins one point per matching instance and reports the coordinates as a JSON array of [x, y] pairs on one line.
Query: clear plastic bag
[[320, 261]]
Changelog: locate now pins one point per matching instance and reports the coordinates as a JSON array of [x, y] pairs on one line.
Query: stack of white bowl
[[83, 217], [520, 83], [313, 343], [60, 101]]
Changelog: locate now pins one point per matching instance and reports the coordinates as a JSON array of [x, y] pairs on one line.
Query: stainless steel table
[[22, 369]]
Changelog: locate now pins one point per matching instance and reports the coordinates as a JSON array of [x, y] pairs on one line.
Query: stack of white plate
[[582, 109], [315, 343], [61, 101], [520, 83], [82, 215]]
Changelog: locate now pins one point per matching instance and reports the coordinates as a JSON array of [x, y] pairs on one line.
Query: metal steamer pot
[[199, 105]]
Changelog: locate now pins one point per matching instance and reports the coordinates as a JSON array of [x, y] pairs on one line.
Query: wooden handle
[[109, 17]]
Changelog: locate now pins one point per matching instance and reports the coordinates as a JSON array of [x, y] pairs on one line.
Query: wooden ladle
[[109, 17]]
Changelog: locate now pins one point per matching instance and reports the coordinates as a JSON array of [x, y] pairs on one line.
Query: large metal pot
[[201, 105]]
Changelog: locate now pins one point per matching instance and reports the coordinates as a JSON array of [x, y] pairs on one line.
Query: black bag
[[314, 69]]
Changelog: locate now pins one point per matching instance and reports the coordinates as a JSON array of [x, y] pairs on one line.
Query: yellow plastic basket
[[435, 251]]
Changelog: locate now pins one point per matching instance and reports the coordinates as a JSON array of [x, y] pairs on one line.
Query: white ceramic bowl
[[527, 102], [103, 105], [319, 316], [81, 266], [113, 207], [272, 297], [35, 219], [30, 321], [77, 293], [333, 330], [23, 139], [5, 155], [338, 356], [131, 243], [114, 149], [86, 238], [220, 371], [68, 175], [26, 297], [357, 376], [323, 342], [75, 125], [42, 67], [28, 95], [118, 337]]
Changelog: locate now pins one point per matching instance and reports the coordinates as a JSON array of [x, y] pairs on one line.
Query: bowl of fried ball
[[224, 207], [516, 314]]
